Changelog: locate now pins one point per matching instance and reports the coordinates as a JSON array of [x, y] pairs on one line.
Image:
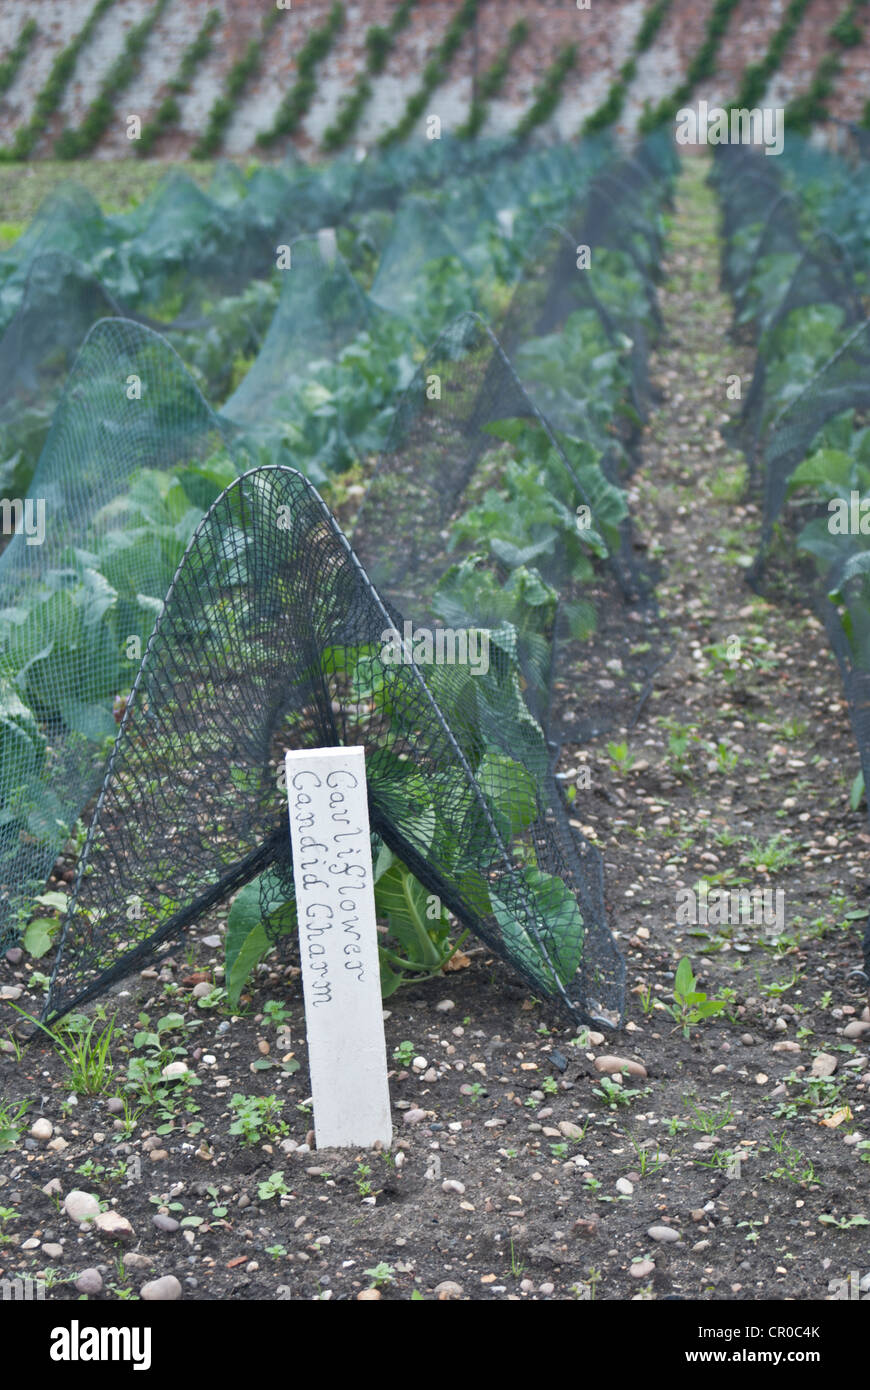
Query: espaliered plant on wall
[[380, 41], [702, 66], [434, 73], [168, 112], [756, 76], [74, 144], [9, 68], [50, 97], [235, 83], [492, 81], [810, 106], [610, 108], [301, 94], [548, 93]]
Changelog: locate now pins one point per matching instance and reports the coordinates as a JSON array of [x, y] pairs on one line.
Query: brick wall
[[603, 33]]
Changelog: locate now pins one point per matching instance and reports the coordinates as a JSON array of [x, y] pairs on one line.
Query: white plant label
[[335, 901]]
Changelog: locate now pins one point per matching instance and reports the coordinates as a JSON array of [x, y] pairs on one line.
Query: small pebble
[[165, 1223], [163, 1290], [133, 1260], [641, 1269], [114, 1226], [615, 1065], [624, 1186], [857, 1029], [42, 1129], [569, 1130], [448, 1288], [90, 1281], [452, 1185], [81, 1206], [666, 1234], [824, 1064]]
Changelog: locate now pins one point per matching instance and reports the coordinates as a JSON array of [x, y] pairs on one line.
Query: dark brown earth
[[756, 1167]]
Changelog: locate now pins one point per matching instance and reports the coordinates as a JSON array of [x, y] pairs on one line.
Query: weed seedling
[[273, 1186], [793, 1166], [361, 1177], [690, 1006], [276, 1012], [612, 1092], [11, 1128], [709, 1121], [404, 1054], [381, 1275], [844, 1223], [773, 856], [218, 1210], [621, 760], [256, 1116], [7, 1214]]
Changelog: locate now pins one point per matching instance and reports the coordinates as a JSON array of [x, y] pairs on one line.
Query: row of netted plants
[[54, 610], [202, 267], [542, 909], [804, 423], [473, 462], [349, 333]]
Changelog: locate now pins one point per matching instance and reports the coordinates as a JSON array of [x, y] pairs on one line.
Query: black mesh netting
[[83, 577], [841, 385], [436, 532], [272, 636], [828, 422], [201, 267], [804, 423], [270, 632]]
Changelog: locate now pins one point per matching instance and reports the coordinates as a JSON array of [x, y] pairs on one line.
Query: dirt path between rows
[[737, 774]]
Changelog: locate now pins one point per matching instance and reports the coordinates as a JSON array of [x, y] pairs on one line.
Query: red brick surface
[[603, 33]]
